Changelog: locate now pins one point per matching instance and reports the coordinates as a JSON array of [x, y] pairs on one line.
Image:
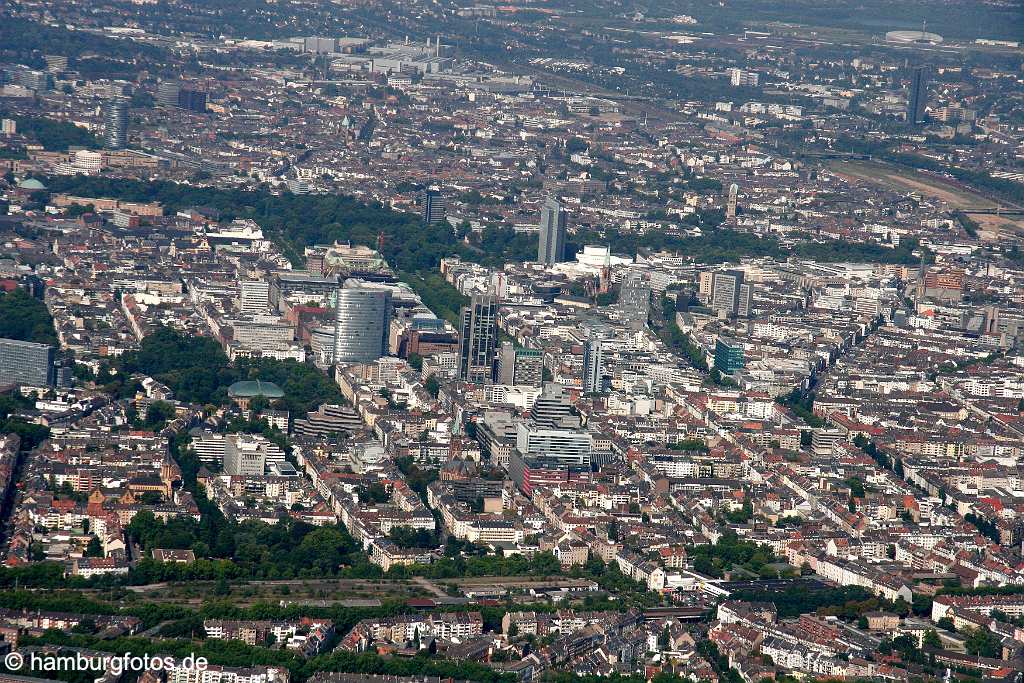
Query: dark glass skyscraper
[[593, 366], [479, 337], [434, 208], [552, 233], [917, 98]]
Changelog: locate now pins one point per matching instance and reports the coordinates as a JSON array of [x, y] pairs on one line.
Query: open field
[[900, 179], [954, 196], [993, 227]]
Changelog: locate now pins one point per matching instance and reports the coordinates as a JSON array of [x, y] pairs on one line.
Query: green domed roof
[[253, 388], [31, 184]]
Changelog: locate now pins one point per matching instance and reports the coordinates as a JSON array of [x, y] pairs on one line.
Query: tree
[[946, 624], [94, 548], [432, 385], [25, 318], [982, 642], [931, 639], [158, 414]]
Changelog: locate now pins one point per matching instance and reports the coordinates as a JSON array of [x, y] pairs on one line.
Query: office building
[[250, 454], [917, 98], [725, 291], [26, 363], [635, 297], [593, 367], [530, 471], [167, 93], [478, 340], [262, 332], [254, 297], [434, 207], [520, 367], [319, 45], [301, 286], [173, 94], [192, 100], [571, 447], [115, 124], [362, 316], [209, 448], [745, 305], [38, 81], [553, 408], [55, 64], [742, 78], [729, 356], [551, 231]]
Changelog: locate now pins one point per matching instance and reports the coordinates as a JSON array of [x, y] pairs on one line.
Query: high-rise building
[[249, 454], [741, 77], [635, 297], [729, 356], [262, 332], [173, 94], [707, 283], [167, 93], [254, 297], [56, 63], [551, 247], [917, 98], [519, 366], [361, 322], [192, 100], [478, 340], [745, 304], [593, 366], [553, 408], [725, 291], [570, 446], [34, 80], [434, 206], [26, 363], [730, 206], [115, 124]]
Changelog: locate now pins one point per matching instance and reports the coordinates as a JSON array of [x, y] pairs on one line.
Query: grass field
[[950, 194], [906, 180]]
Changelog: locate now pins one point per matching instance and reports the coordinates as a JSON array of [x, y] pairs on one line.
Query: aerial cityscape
[[409, 341]]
